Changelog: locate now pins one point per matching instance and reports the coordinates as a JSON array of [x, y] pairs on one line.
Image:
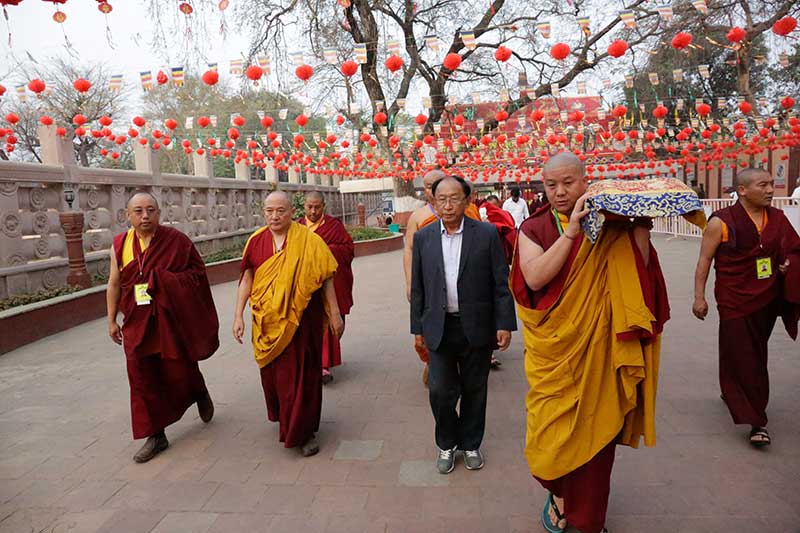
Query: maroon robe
[[164, 340], [506, 228], [292, 383], [341, 245], [749, 307], [586, 489]]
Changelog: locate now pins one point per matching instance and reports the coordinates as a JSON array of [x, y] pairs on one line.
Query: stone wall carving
[[215, 212]]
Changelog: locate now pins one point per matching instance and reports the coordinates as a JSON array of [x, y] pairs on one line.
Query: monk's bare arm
[[539, 267], [242, 295], [113, 293], [411, 229], [332, 307], [712, 238]]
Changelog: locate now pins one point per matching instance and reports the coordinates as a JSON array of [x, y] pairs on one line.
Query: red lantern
[[537, 115], [451, 62], [161, 78], [745, 107], [79, 120], [660, 112], [139, 121], [681, 40], [170, 124], [560, 51], [2, 89], [46, 121], [784, 26], [787, 102], [301, 120], [421, 119], [254, 73], [239, 121], [203, 122], [105, 121], [81, 85], [502, 54], [619, 111], [380, 118], [349, 68], [210, 77], [703, 109], [339, 120], [617, 48], [186, 8], [36, 86], [304, 72], [104, 7], [394, 63], [233, 133], [736, 34], [59, 16], [501, 116]]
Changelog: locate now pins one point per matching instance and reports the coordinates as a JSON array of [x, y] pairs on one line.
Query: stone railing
[[217, 213]]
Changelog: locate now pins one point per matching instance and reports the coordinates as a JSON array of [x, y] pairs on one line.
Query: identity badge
[[764, 267], [142, 296]]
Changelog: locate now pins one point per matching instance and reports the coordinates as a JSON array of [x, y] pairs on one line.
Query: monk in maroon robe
[[341, 245], [159, 282], [287, 276], [756, 254]]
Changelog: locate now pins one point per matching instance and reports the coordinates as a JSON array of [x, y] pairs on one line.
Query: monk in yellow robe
[[592, 316], [287, 275], [420, 218]]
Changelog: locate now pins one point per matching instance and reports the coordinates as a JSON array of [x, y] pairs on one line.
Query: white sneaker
[[446, 461], [473, 459]]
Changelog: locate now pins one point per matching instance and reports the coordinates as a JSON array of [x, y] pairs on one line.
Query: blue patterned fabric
[[655, 197]]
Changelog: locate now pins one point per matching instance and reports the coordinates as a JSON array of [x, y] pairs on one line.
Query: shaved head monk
[[341, 244], [158, 281], [756, 255], [592, 315], [420, 218], [287, 275]]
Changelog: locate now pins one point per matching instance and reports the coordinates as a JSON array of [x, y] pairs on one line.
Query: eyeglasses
[[449, 200]]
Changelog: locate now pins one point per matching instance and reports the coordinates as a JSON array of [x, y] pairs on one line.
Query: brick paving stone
[[358, 450], [61, 466], [187, 522]]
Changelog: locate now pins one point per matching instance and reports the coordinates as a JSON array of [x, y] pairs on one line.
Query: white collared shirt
[[518, 210], [451, 253]]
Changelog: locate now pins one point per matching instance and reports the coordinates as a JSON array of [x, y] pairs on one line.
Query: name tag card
[[142, 296], [764, 267]]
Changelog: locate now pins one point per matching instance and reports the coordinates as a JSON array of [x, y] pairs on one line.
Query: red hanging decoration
[[619, 111], [104, 7], [502, 54], [394, 63], [617, 48], [210, 77], [421, 119], [301, 120], [451, 62], [82, 85], [349, 68], [784, 26], [186, 8], [254, 73], [203, 122], [266, 121], [161, 77], [681, 40], [560, 51], [786, 103], [703, 109], [37, 86], [745, 107], [660, 112], [46, 120], [736, 34], [304, 72], [380, 118]]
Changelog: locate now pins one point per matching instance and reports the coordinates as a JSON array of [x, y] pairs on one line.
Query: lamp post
[[72, 224]]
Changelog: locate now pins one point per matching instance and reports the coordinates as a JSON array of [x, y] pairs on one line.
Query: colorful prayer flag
[[468, 38], [629, 81], [555, 90], [213, 66], [701, 6], [330, 56], [146, 78], [177, 76], [581, 87], [628, 17], [393, 46], [298, 58], [722, 102], [606, 83], [236, 67], [21, 94], [584, 22], [426, 102], [189, 123], [703, 70], [213, 119], [665, 12], [504, 95], [784, 60], [115, 83], [677, 75], [360, 50], [264, 63], [544, 29], [432, 42], [401, 103]]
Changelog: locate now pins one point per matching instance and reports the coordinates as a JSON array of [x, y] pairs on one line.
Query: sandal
[[759, 437], [546, 522]]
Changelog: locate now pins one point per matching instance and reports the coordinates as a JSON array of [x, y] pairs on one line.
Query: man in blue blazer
[[461, 310]]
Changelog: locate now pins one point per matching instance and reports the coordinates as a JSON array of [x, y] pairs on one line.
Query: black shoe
[[205, 407], [152, 447]]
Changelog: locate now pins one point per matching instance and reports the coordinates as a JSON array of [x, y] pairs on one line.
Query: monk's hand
[[578, 212], [784, 267], [419, 342], [337, 325], [115, 332], [700, 308], [238, 329]]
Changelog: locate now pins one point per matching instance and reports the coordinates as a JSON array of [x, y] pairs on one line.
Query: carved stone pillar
[[361, 209], [72, 224]]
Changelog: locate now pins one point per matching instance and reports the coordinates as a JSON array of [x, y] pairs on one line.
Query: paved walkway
[[65, 444]]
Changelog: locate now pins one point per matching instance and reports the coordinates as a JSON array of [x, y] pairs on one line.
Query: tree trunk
[[743, 75]]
